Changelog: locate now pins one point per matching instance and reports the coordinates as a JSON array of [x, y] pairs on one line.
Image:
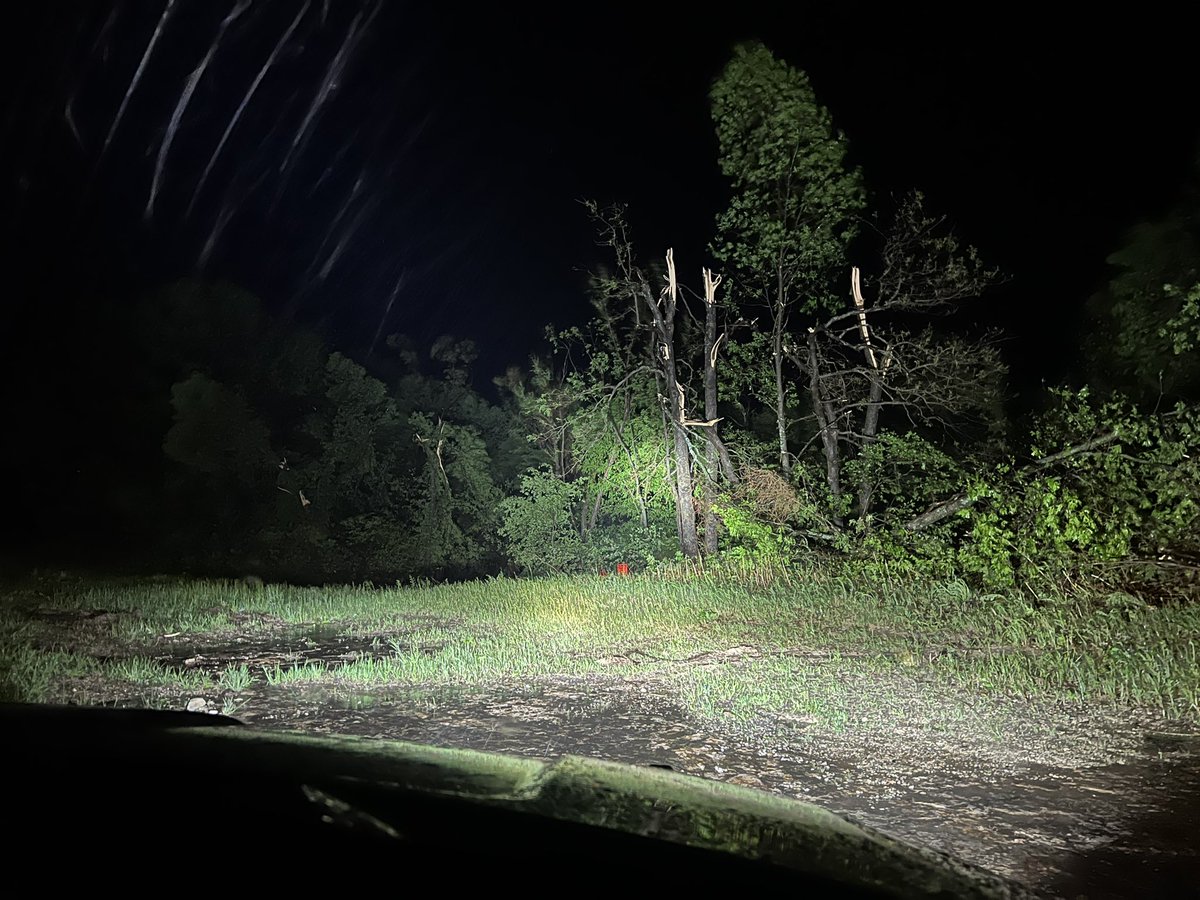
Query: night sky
[[332, 156]]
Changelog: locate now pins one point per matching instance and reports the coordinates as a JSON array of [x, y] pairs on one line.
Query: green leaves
[[1146, 320], [1126, 502], [216, 431], [794, 201], [1182, 330], [537, 525], [454, 520]]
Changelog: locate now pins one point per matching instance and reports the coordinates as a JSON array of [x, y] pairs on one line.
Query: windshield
[[800, 400]]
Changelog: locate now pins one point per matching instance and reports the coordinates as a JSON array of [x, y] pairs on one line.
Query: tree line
[[797, 387]]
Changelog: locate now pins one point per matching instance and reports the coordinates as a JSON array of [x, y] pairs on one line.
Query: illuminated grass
[[520, 629], [29, 675], [235, 678], [761, 690], [473, 660], [140, 670], [296, 674]]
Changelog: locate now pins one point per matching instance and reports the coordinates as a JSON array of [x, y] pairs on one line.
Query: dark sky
[[436, 151]]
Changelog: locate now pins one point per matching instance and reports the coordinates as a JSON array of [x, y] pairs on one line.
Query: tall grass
[[522, 628]]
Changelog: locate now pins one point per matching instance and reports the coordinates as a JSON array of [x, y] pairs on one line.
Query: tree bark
[[712, 448], [823, 410], [778, 326], [662, 313], [689, 540], [870, 433], [943, 510], [785, 458]]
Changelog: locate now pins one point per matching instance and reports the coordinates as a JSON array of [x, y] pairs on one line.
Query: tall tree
[[785, 233], [1131, 335]]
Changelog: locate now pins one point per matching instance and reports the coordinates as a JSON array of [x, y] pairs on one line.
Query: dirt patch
[[1069, 800]]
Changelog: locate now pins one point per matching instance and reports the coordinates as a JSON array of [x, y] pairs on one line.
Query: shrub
[[537, 526]]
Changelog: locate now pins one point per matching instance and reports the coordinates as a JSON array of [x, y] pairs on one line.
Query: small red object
[[622, 568]]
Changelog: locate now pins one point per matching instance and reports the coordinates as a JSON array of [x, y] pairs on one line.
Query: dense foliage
[[286, 457]]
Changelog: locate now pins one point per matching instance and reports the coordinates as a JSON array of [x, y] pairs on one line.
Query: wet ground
[[1071, 802], [1120, 830]]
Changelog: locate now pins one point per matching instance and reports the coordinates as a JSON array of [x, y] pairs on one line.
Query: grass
[[31, 675], [798, 630], [235, 678], [142, 670], [296, 674]]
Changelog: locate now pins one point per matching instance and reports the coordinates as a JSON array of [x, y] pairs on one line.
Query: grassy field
[[730, 649]]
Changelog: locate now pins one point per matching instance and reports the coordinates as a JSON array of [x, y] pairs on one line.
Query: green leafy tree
[[1135, 323], [223, 450], [216, 431], [446, 393], [795, 202], [306, 464], [455, 519], [594, 416], [1182, 330], [597, 412], [538, 525], [339, 494], [1136, 328]]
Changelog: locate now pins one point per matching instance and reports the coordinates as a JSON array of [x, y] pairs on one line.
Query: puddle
[[327, 647]]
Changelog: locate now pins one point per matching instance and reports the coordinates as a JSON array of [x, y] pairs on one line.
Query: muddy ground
[[1070, 800]]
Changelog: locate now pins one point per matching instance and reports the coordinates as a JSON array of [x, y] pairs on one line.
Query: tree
[[590, 410], [303, 462], [1111, 496], [339, 494], [224, 453], [216, 432], [716, 457], [455, 518], [1130, 342], [537, 525], [661, 308], [794, 204], [866, 361]]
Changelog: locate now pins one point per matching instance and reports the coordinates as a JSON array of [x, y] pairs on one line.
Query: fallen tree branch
[[1095, 443], [944, 510]]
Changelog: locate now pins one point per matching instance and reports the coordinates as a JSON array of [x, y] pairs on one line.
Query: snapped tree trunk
[[871, 431], [713, 447], [874, 394], [662, 313], [685, 504]]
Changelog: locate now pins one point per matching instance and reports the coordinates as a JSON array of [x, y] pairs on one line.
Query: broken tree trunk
[[662, 314], [878, 371], [712, 448]]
